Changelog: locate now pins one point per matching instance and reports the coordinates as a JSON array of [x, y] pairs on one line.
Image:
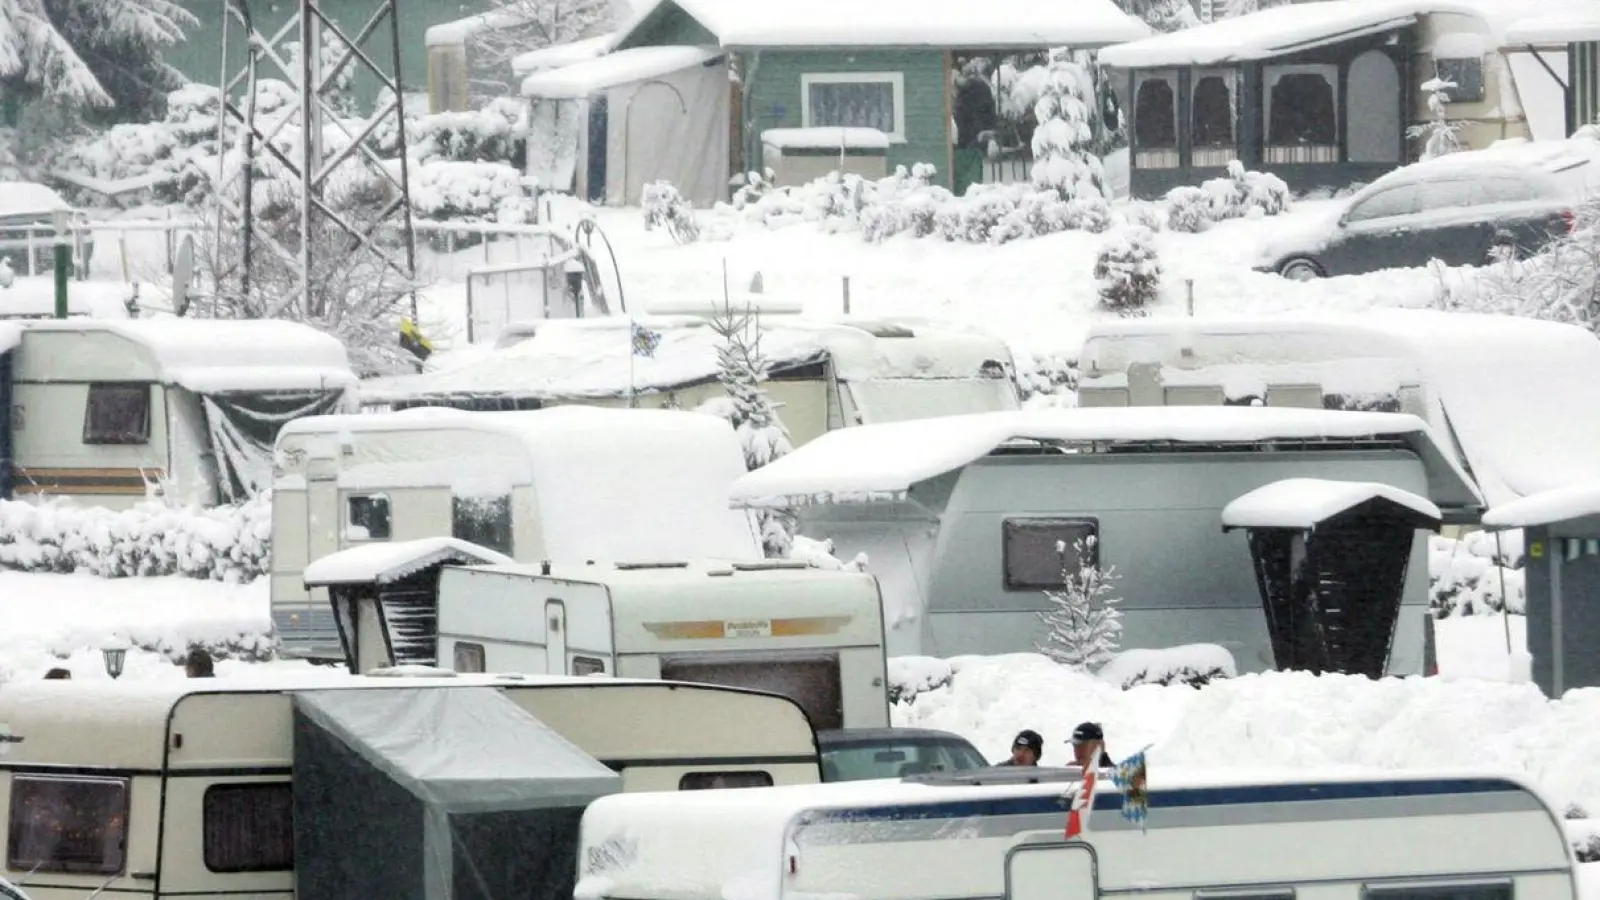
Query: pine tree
[[1063, 157], [1085, 627], [91, 53], [741, 367]]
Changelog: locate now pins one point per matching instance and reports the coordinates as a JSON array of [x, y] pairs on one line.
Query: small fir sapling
[[1085, 627], [1439, 135], [1128, 272]]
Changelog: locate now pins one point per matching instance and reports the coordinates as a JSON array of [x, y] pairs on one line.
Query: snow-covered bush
[[1188, 209], [230, 543], [469, 191], [1438, 135], [1084, 625], [913, 675], [171, 152], [1192, 664], [1046, 379], [483, 135], [1472, 577], [665, 208], [1240, 194], [1127, 272]]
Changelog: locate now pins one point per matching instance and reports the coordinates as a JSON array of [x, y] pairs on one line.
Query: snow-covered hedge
[[230, 543], [1192, 664], [445, 190], [171, 152], [482, 135], [1474, 577]]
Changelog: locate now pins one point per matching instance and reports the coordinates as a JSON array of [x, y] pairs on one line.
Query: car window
[[1396, 201], [1504, 190], [1452, 194], [897, 759]]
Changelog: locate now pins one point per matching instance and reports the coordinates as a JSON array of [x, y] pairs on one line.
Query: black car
[[1459, 209], [859, 754]]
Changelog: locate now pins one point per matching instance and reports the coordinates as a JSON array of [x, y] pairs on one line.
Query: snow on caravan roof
[[1521, 397], [873, 462], [594, 357], [213, 355]]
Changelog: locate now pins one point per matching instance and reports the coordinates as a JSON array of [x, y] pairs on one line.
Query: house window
[[70, 825], [1467, 76], [1302, 114], [1155, 122], [469, 657], [588, 665], [367, 518], [1499, 890], [1211, 116], [855, 100], [117, 414], [705, 781], [485, 521], [248, 827], [1036, 551]]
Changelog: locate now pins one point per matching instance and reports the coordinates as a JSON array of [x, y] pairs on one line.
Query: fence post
[[469, 308], [1188, 285], [847, 295]]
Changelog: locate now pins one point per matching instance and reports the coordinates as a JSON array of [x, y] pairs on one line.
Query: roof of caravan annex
[[389, 561], [1522, 396], [215, 356], [594, 357], [1302, 26], [874, 462], [609, 483]]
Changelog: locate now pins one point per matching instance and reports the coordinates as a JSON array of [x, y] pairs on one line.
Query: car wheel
[[1300, 270]]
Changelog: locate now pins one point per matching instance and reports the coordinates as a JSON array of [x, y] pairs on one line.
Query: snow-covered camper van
[[824, 374], [1515, 401], [1234, 834], [255, 787], [565, 484], [103, 411], [773, 625]]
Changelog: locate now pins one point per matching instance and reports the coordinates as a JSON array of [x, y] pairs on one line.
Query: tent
[[435, 794]]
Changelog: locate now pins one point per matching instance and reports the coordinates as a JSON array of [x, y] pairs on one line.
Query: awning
[[1263, 35], [1570, 26], [1304, 503], [384, 563], [585, 79]]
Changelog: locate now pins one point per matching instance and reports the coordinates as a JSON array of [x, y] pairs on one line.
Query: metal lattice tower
[[251, 53]]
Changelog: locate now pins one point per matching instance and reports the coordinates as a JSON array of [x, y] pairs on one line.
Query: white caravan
[[772, 625], [186, 787], [573, 483], [106, 412], [1238, 834]]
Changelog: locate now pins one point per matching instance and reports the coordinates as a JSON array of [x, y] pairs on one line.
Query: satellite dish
[[182, 275]]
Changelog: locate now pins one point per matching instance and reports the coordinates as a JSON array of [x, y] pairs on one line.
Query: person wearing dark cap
[[58, 675], [1088, 742], [1026, 749]]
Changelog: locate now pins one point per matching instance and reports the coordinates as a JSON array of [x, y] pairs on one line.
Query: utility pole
[[370, 52]]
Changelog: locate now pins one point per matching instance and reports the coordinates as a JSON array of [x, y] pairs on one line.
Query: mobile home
[[824, 374], [573, 483], [1219, 834], [773, 625], [108, 411], [1515, 401], [968, 521], [297, 785]]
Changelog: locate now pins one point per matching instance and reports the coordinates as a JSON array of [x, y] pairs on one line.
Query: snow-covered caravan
[[969, 521], [568, 484], [824, 374], [224, 787], [1232, 834], [104, 411], [773, 625], [1515, 401]]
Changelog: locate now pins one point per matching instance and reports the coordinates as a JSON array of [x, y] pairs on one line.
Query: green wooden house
[[690, 86]]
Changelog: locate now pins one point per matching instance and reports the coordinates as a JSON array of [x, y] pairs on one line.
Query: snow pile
[[1472, 577], [819, 555], [229, 543], [483, 135], [446, 190]]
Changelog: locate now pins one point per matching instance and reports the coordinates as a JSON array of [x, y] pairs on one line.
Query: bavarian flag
[[1130, 778]]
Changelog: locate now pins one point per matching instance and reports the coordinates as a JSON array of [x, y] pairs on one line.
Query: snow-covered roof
[[387, 561], [884, 24], [461, 30], [559, 55], [1521, 396], [1305, 503], [609, 483], [28, 198], [580, 358], [825, 138], [1571, 25], [590, 77], [1562, 504], [210, 356], [883, 461]]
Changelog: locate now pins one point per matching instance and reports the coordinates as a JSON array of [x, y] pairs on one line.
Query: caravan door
[[1053, 871], [555, 642]]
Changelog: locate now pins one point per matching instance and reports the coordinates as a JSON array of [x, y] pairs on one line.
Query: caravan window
[[77, 825], [367, 518], [117, 414], [1033, 558], [1498, 890], [469, 657], [706, 781], [249, 827], [588, 665], [485, 521]]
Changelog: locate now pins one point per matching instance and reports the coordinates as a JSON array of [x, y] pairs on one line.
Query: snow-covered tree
[[1162, 15], [1127, 272], [741, 367], [1439, 135], [522, 25], [91, 53], [1085, 627], [1063, 160]]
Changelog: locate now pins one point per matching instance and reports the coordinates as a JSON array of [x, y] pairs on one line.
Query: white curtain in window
[[852, 104]]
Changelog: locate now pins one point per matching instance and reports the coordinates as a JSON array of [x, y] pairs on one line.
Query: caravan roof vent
[[646, 564], [768, 565], [884, 329], [998, 775]]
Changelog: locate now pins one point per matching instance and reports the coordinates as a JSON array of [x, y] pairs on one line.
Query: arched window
[[1211, 117], [1302, 114]]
